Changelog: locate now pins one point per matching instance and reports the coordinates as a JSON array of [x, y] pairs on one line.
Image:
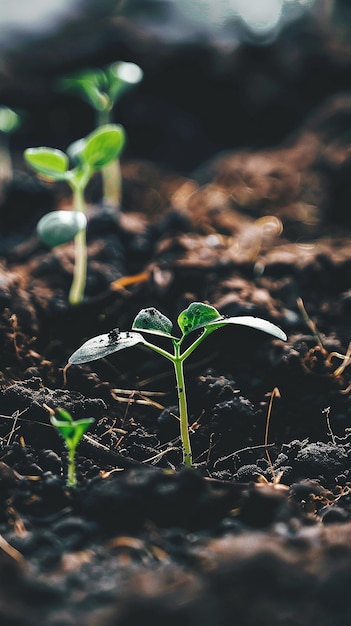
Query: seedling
[[89, 155], [9, 122], [72, 431], [197, 317], [102, 88]]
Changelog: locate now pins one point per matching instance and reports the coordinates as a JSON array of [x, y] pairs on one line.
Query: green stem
[[178, 364], [111, 173], [112, 183], [183, 408], [103, 117], [160, 351], [76, 293], [6, 171], [178, 361], [196, 343], [71, 468]]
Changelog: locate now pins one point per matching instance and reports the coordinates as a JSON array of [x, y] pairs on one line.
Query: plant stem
[[196, 343], [71, 468], [80, 252], [112, 183], [111, 173], [164, 353], [183, 408], [6, 170], [178, 364]]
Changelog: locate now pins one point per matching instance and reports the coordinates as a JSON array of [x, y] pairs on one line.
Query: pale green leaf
[[103, 146], [9, 120], [121, 76], [103, 345], [49, 162], [59, 227], [256, 323], [153, 321]]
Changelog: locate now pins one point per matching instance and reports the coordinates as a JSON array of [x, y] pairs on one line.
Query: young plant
[[203, 318], [102, 88], [9, 122], [71, 431], [89, 155]]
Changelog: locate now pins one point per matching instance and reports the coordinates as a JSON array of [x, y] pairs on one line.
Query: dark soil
[[259, 531]]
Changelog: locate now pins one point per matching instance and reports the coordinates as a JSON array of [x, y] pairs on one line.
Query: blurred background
[[218, 74]]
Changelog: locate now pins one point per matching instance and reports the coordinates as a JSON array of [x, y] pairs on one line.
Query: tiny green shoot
[[71, 431], [102, 88], [9, 122], [89, 154], [200, 318]]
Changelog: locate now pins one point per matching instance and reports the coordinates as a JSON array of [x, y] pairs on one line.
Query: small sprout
[[72, 431], [102, 88], [9, 122], [121, 76], [89, 154], [197, 317]]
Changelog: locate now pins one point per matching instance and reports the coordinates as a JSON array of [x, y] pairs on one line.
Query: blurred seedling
[[197, 318], [88, 155], [9, 122], [72, 432], [102, 88]]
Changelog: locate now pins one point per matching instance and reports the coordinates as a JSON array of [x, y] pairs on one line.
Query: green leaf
[[103, 146], [9, 120], [252, 322], [80, 428], [103, 345], [121, 76], [66, 430], [91, 84], [102, 87], [152, 321], [64, 415], [71, 430], [197, 315], [49, 162], [59, 227], [75, 149]]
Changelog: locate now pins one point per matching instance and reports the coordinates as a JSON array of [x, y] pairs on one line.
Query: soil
[[259, 531]]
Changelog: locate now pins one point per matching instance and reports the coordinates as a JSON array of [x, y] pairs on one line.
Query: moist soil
[[259, 531]]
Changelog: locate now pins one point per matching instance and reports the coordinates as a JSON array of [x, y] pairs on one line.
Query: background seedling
[[71, 431], [89, 155], [197, 317], [102, 88], [9, 122]]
